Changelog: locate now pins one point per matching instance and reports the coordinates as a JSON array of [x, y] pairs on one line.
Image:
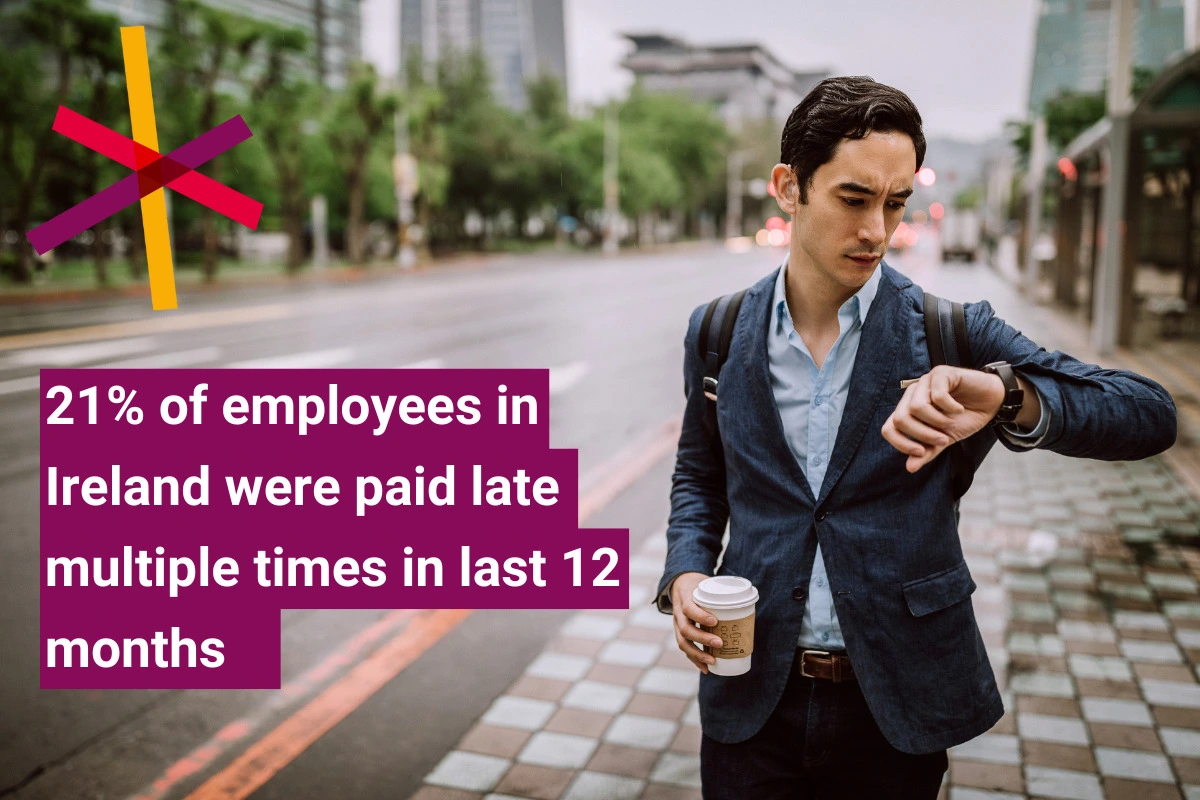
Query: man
[[867, 661]]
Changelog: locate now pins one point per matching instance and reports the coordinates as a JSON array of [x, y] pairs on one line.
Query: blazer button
[[821, 517], [798, 594]]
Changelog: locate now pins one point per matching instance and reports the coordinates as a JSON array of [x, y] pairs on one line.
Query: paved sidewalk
[[1088, 600]]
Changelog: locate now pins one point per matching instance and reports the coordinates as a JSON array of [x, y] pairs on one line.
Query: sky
[[965, 63]]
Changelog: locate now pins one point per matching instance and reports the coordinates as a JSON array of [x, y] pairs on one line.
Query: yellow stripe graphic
[[159, 262]]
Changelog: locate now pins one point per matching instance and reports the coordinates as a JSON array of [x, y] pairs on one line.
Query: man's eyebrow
[[858, 188]]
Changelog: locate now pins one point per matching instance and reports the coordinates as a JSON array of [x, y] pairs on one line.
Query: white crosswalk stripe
[[70, 355], [314, 359]]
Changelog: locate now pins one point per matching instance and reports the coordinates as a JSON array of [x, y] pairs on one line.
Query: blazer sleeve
[[1105, 414], [699, 503]]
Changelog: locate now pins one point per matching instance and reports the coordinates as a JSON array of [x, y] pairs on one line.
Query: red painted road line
[[267, 756]]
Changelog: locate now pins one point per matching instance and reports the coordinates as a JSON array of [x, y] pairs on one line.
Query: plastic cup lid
[[725, 591]]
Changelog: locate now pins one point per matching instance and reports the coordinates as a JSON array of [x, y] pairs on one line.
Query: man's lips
[[864, 260]]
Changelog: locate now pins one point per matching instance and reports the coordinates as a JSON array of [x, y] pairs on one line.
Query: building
[[744, 81], [521, 39], [1071, 46], [334, 27]]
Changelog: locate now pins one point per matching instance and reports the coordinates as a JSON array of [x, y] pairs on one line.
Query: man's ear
[[787, 190]]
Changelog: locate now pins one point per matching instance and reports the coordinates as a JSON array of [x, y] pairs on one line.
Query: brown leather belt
[[826, 666]]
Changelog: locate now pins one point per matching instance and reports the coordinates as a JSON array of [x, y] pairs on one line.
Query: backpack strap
[[946, 332], [716, 333]]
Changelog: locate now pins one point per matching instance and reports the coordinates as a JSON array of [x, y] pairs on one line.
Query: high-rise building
[[521, 39], [1071, 49], [334, 27], [744, 81]]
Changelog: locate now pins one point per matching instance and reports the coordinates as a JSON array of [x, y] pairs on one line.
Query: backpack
[[945, 333]]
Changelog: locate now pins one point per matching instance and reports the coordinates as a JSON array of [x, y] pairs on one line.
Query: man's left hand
[[945, 406]]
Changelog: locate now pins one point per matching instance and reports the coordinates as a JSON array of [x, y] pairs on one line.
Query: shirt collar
[[861, 300]]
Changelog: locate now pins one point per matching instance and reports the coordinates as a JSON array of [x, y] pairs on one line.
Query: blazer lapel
[[758, 377], [872, 366]]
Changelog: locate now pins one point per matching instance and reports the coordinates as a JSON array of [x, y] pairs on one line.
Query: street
[[1087, 582]]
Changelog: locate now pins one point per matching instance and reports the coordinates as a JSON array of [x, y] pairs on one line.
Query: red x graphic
[[155, 170]]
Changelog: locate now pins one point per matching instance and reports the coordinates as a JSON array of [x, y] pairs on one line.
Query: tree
[[360, 114], [201, 47], [280, 99], [67, 30]]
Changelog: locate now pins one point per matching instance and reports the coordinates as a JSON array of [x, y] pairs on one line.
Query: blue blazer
[[890, 539]]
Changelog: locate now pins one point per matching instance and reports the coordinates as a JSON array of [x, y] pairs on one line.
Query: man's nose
[[874, 230]]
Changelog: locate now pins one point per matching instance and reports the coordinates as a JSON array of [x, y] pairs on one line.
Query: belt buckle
[[812, 652]]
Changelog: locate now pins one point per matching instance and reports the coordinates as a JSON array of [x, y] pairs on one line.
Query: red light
[[776, 224], [937, 210], [1067, 168], [926, 176]]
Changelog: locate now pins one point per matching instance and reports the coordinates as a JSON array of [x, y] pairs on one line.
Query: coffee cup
[[731, 600]]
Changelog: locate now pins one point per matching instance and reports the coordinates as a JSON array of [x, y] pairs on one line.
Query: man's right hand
[[687, 616]]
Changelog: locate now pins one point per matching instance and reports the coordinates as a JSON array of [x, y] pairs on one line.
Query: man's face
[[855, 202]]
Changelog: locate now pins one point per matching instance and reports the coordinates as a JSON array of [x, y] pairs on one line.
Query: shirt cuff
[[1032, 438]]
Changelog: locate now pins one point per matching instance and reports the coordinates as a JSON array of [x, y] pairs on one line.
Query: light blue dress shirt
[[811, 402]]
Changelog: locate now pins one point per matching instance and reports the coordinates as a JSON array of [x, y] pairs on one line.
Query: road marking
[[278, 748], [300, 686], [179, 358], [20, 385], [67, 355], [564, 377], [315, 359], [139, 327], [429, 363]]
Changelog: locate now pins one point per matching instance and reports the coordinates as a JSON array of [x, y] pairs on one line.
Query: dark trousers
[[820, 743]]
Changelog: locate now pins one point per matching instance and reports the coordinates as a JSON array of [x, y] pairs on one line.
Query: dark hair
[[844, 108]]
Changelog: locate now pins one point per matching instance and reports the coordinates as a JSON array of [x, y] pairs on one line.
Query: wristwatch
[[1014, 396]]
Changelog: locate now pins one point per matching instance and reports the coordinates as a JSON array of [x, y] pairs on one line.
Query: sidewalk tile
[[1111, 669], [657, 705], [687, 740], [571, 646], [1129, 737], [1188, 769], [1046, 728], [1165, 672], [558, 666], [992, 747], [1121, 690], [590, 626], [1125, 789], [1125, 712], [561, 750], [661, 791], [578, 722], [600, 786], [605, 698], [1056, 706], [651, 635], [634, 730], [692, 715], [665, 680], [493, 741], [612, 673], [1157, 652], [539, 688], [443, 793], [518, 712], [636, 762], [963, 793], [678, 769], [1062, 756], [981, 775], [1135, 620], [1176, 717], [1061, 783], [1171, 693], [650, 617], [1134, 764], [1047, 685], [468, 771], [530, 780], [1181, 742], [629, 654]]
